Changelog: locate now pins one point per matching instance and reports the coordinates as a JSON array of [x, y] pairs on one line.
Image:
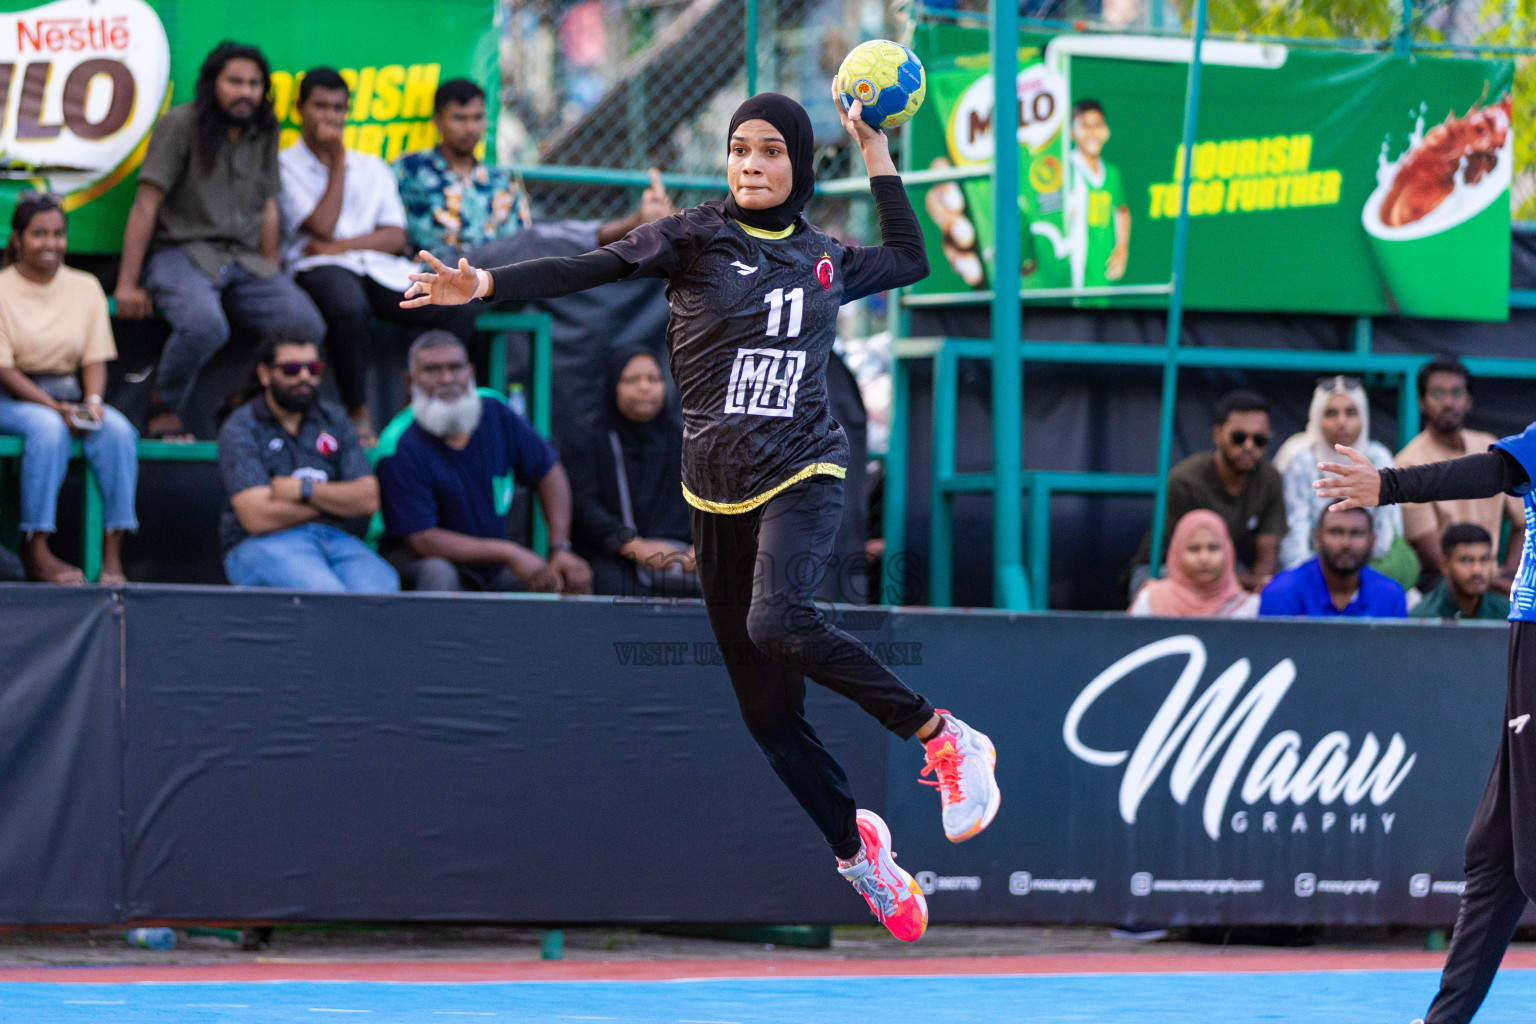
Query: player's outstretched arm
[[1362, 485], [547, 278]]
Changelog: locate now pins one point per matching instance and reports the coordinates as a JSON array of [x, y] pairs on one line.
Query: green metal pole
[[941, 508], [1404, 42], [751, 47], [893, 510], [893, 563], [1010, 589], [543, 398], [1176, 300], [91, 520]]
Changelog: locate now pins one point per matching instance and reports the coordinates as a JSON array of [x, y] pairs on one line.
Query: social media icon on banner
[[1141, 883], [1306, 884], [1418, 886], [1018, 883]]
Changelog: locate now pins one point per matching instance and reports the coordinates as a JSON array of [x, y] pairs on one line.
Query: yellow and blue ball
[[887, 78]]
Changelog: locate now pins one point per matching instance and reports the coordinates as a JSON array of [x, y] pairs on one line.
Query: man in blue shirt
[[442, 529], [1336, 581], [1499, 877]]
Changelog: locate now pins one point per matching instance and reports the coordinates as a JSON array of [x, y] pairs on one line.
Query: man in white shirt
[[344, 230]]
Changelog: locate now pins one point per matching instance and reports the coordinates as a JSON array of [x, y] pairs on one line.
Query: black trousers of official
[[1501, 849], [759, 571], [347, 301]]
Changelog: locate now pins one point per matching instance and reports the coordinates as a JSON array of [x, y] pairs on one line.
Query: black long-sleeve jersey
[[754, 316]]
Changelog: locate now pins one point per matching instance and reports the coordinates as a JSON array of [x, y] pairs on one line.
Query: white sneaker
[[892, 894], [963, 762]]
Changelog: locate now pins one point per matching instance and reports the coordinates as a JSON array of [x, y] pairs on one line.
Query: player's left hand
[[574, 574], [856, 126], [443, 285], [1358, 483]]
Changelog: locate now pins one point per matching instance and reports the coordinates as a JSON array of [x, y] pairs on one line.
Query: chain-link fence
[[637, 83]]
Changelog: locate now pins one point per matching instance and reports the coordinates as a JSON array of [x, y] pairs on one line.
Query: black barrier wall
[[195, 754], [61, 755]]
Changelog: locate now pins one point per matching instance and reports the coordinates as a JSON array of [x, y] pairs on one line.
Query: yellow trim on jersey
[[761, 233], [730, 508]]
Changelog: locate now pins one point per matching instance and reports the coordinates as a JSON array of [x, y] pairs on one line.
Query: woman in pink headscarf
[[1201, 581]]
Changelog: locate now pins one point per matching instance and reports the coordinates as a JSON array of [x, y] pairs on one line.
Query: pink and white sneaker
[[892, 894], [963, 762]]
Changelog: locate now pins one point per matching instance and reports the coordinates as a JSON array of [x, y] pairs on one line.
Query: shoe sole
[[884, 832], [992, 805]]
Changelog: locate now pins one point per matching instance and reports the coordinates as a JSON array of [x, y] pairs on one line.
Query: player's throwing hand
[[1358, 483], [444, 285]]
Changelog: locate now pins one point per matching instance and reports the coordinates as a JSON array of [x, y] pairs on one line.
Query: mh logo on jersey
[[824, 272], [764, 382]]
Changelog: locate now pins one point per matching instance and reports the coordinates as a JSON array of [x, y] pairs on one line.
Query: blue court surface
[[1324, 997]]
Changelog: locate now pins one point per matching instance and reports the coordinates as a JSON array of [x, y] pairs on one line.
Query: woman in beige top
[[55, 343]]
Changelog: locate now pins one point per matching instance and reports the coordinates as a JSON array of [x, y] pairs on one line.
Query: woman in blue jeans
[[55, 343]]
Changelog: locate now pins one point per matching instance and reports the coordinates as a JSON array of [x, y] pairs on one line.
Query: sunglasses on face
[[1441, 394], [1242, 437], [314, 366], [1338, 383]]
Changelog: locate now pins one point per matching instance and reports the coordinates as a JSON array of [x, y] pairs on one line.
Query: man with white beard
[[444, 527]]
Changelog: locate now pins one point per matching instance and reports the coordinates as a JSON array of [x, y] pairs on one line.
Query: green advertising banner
[[1320, 182], [84, 80]]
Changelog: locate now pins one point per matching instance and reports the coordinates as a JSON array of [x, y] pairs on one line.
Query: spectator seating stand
[[497, 324], [945, 354]]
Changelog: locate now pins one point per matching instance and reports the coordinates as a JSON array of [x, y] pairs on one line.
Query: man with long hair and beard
[[201, 243]]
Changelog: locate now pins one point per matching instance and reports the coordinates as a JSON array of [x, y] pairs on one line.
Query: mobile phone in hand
[[81, 419]]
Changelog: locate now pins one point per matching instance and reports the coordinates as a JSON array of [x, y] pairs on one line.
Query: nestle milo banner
[[1320, 182], [1171, 772], [83, 82]]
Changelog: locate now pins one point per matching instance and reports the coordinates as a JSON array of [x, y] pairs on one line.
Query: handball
[[887, 78]]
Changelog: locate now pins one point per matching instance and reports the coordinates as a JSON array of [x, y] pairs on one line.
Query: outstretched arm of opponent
[[1362, 485], [532, 279]]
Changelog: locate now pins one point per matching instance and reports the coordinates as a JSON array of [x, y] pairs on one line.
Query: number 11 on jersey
[[775, 302]]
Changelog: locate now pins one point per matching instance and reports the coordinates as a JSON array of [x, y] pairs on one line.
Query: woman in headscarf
[[628, 516], [1201, 581], [754, 290], [1340, 414]]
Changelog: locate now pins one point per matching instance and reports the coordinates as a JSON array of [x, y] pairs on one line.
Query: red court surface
[[1216, 962]]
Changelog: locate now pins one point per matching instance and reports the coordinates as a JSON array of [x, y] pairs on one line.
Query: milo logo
[[82, 82]]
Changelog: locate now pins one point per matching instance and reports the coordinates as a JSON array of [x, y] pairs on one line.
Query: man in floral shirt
[[457, 206]]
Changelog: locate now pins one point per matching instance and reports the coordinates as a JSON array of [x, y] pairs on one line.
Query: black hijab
[[794, 124], [653, 455]]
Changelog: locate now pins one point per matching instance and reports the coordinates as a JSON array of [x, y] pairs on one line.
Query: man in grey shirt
[[206, 216]]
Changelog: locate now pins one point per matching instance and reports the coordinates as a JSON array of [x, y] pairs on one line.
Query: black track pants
[[759, 570], [1501, 849]]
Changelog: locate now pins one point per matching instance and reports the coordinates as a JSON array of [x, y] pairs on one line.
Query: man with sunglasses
[[1445, 401], [298, 484], [1235, 482]]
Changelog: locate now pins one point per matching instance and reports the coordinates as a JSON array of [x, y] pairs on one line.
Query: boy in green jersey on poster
[[1098, 216]]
